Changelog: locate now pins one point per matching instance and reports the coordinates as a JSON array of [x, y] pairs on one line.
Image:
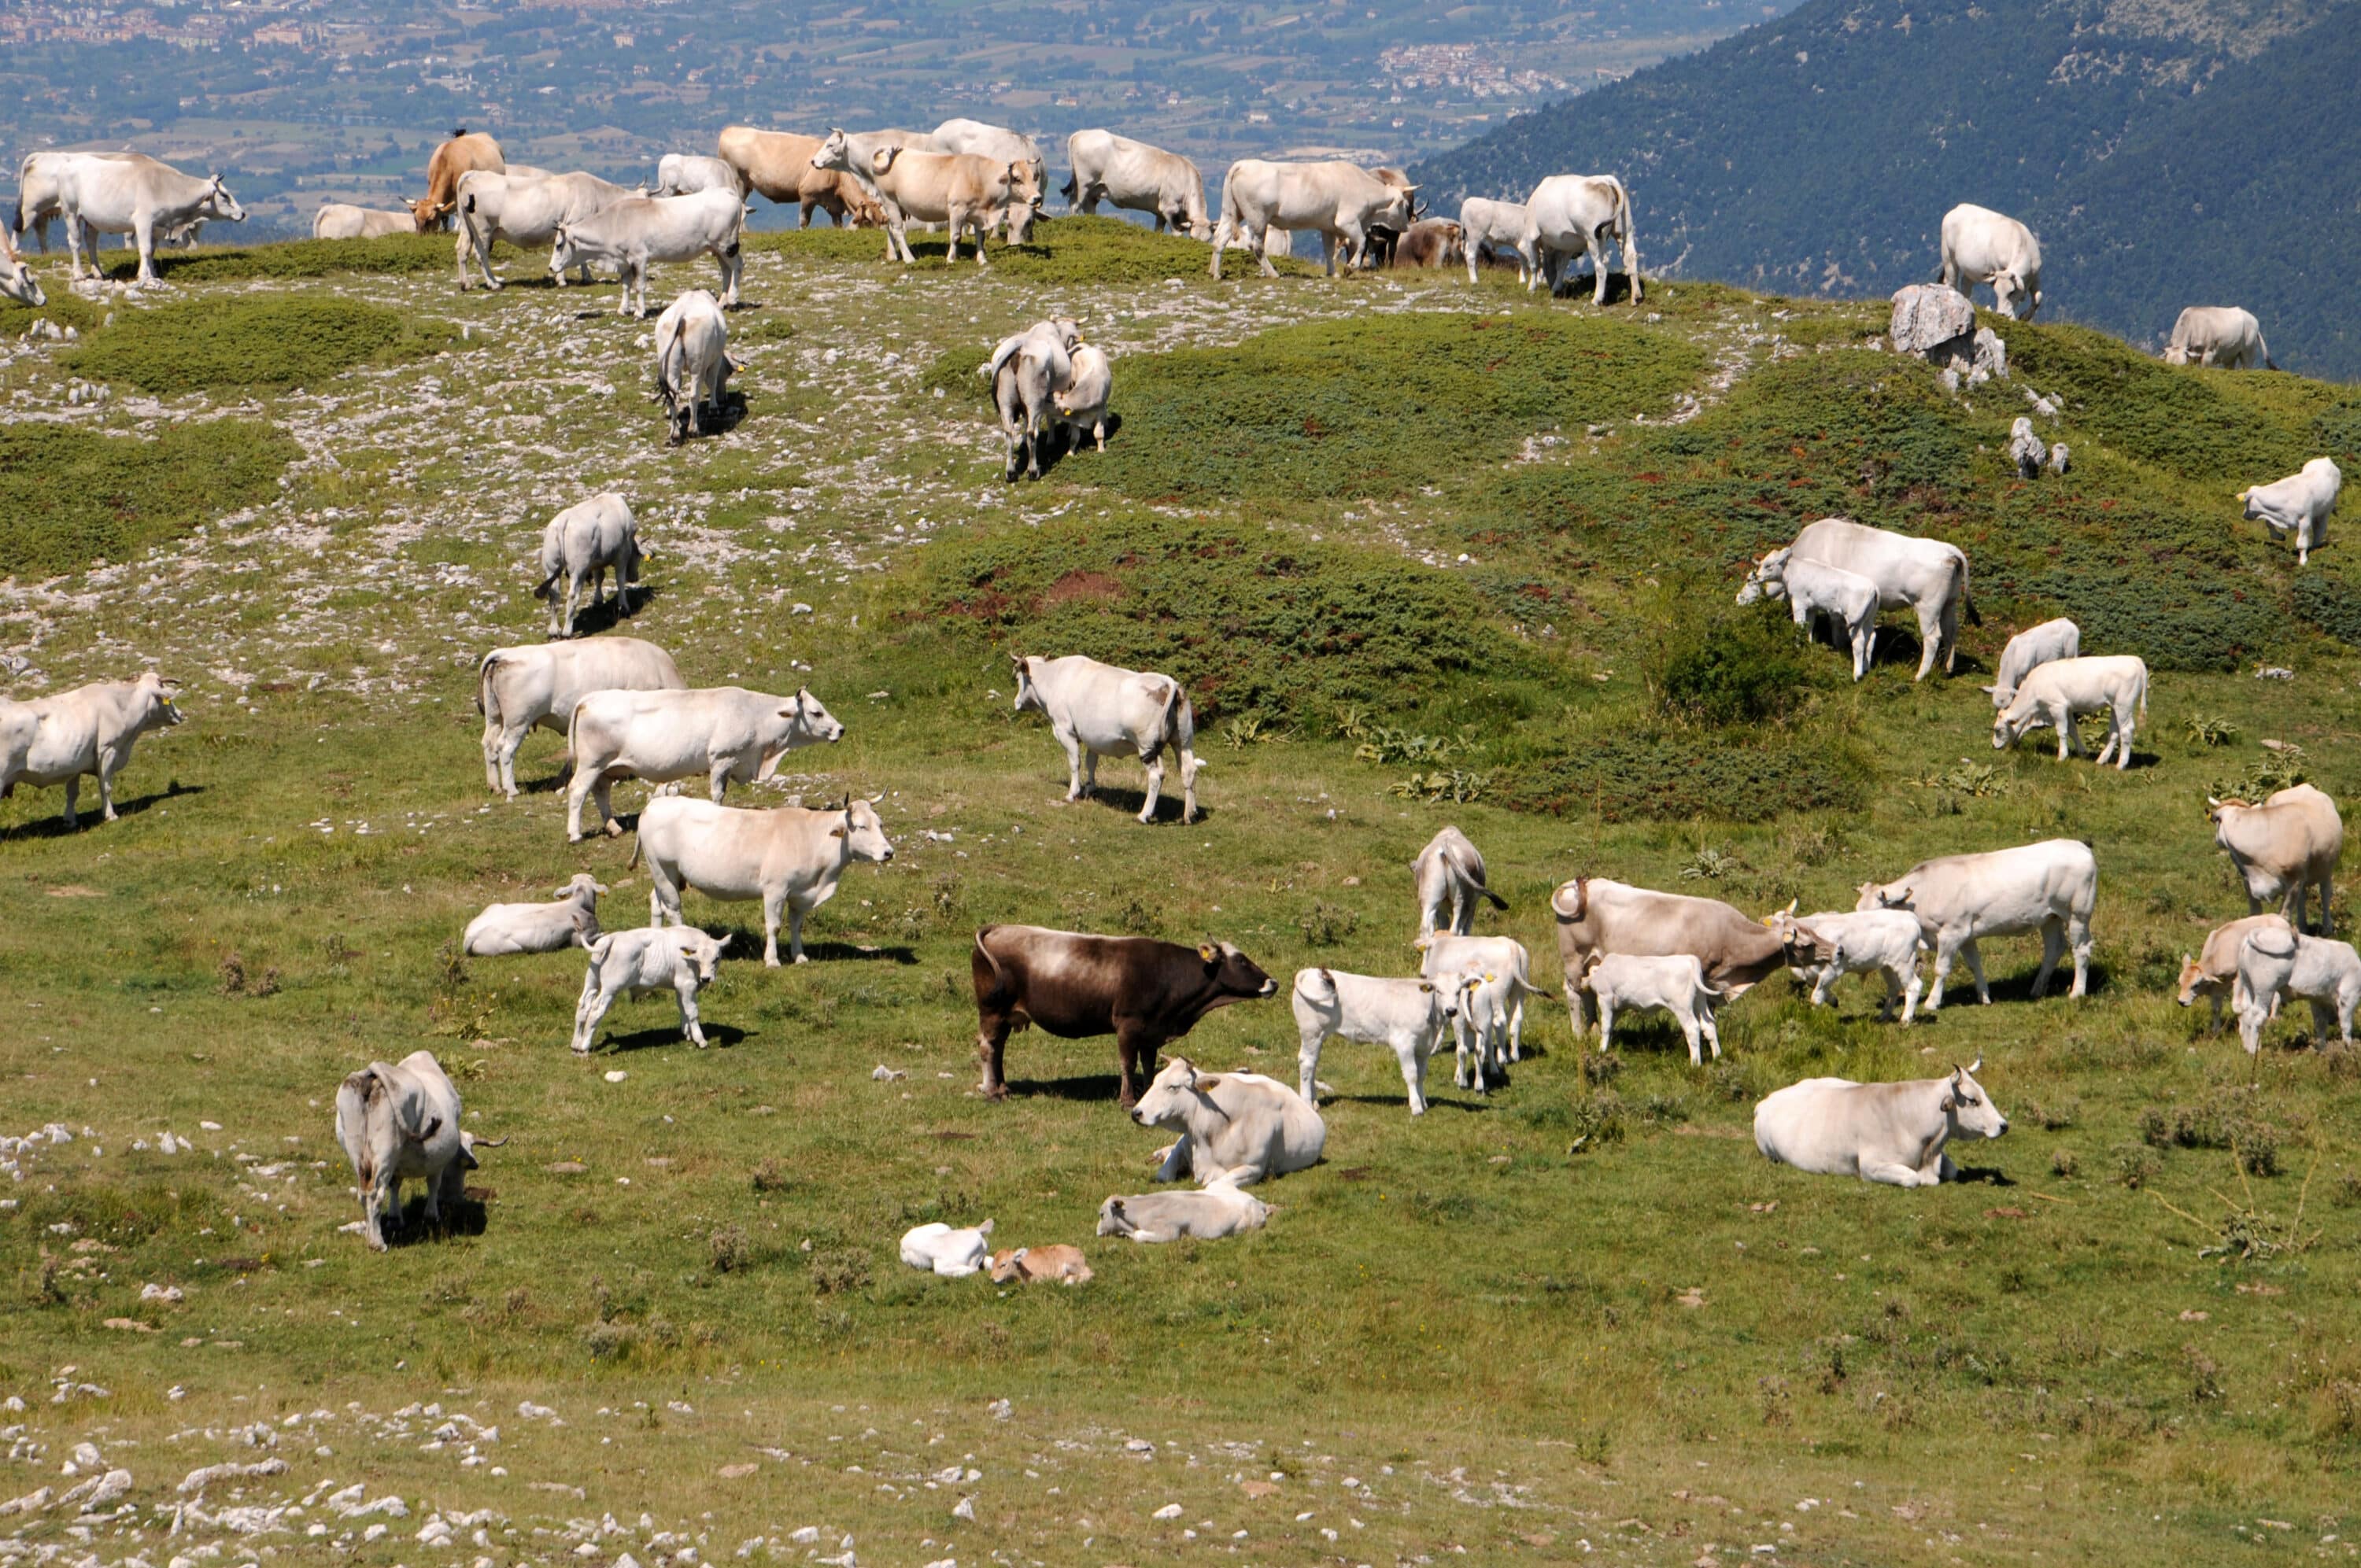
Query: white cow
[[999, 145], [2050, 887], [646, 959], [1217, 1210], [952, 1253], [693, 363], [519, 689], [2056, 692], [1502, 960], [1098, 710], [719, 733], [2276, 965], [90, 730], [2213, 972], [572, 921], [400, 1122], [578, 547], [686, 173], [2030, 648], [1825, 947], [632, 234], [854, 154], [1892, 1133], [1579, 215], [341, 220], [1980, 245], [1925, 574], [1407, 1016], [790, 858], [1236, 1128], [1494, 226], [2298, 504], [524, 207], [1340, 202], [1026, 371], [2219, 335], [1139, 177], [1813, 590], [16, 280], [1082, 404], [134, 194], [1449, 876], [2282, 849], [1676, 983]]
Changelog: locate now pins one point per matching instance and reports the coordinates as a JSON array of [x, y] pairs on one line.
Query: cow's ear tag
[[1205, 952]]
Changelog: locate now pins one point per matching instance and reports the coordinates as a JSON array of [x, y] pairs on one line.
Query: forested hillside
[[2167, 155]]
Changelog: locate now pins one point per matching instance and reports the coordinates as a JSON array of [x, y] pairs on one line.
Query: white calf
[[570, 922], [1504, 960], [953, 1254], [2056, 691], [1812, 589], [644, 960], [1676, 983], [1826, 947], [2030, 649], [1218, 1210], [2298, 504], [2273, 965], [1406, 1016]]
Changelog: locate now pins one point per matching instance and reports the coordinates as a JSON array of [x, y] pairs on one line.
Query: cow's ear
[[724, 941], [1951, 1102], [836, 832], [1212, 1081], [1425, 986], [1207, 951]]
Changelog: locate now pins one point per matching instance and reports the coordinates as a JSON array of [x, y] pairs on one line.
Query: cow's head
[[1176, 1091], [561, 252], [807, 720], [220, 203], [702, 954], [152, 697], [2176, 354], [426, 212], [2194, 981], [1768, 579], [2014, 721], [1028, 694], [1232, 974], [863, 834], [1008, 1266], [2217, 809], [16, 280], [583, 886], [1024, 201], [2012, 295], [1969, 1109], [1891, 895], [834, 152]]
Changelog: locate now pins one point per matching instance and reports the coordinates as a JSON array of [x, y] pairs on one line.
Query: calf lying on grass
[[1220, 1210], [953, 1254], [1033, 1264]]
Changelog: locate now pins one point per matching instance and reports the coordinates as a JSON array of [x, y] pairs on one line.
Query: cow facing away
[[571, 921], [790, 858], [2279, 965], [719, 733], [1082, 403], [637, 962], [400, 1123], [2213, 972], [2283, 849], [136, 195], [1449, 876], [1889, 1132], [1408, 1017], [1926, 576], [341, 220], [2218, 335], [1143, 991], [1218, 1210], [1339, 202], [464, 152], [1488, 229], [686, 173], [638, 231], [536, 686], [2062, 690], [2050, 887], [2299, 504], [693, 364], [90, 730], [1579, 214], [1980, 245], [1027, 370], [1139, 178], [2027, 650], [1237, 1128], [1595, 915], [579, 547], [1099, 710]]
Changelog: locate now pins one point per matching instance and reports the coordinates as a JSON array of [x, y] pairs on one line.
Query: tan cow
[[466, 151], [778, 164], [2283, 849], [2213, 972], [955, 188], [1595, 915]]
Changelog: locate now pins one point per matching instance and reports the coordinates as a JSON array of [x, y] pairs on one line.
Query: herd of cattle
[[626, 712]]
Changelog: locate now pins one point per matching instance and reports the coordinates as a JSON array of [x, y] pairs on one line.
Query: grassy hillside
[[1817, 152], [1424, 554]]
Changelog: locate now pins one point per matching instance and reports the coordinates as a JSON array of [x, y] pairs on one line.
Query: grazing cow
[[717, 732], [2028, 650], [646, 959], [2282, 849], [572, 921], [1098, 710], [1449, 875], [1431, 242], [2213, 972], [1579, 215], [1340, 202], [1083, 403], [400, 1123], [1813, 590], [467, 151], [1218, 1210], [519, 689], [953, 1254], [958, 190], [1980, 245], [1892, 1133], [2276, 965], [1504, 972], [999, 145], [1487, 227], [2057, 691], [16, 280], [789, 857], [693, 363], [90, 730], [2219, 335], [578, 547], [1144, 992], [1674, 982], [1407, 1016], [778, 164], [1823, 948], [637, 231], [1139, 177], [1237, 1128], [525, 209], [1925, 574], [341, 220], [686, 173], [2050, 887], [1032, 1265], [1026, 370], [2298, 504], [1595, 915], [136, 195]]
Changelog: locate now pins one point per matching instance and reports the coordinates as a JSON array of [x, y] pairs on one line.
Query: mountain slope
[[2168, 155]]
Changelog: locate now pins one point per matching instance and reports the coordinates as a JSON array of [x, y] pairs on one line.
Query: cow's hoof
[[614, 829], [996, 1091]]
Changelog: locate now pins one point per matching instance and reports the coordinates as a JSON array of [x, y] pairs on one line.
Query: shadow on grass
[[719, 1037], [89, 818], [1129, 801], [1433, 1103], [464, 1218], [1086, 1086], [605, 616]]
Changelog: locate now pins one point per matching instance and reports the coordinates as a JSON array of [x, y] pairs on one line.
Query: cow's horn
[[1978, 1065], [492, 1143]]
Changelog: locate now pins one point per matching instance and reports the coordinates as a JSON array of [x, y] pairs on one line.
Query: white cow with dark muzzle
[[1408, 1017], [401, 1123], [1980, 245], [505, 929], [681, 959], [89, 730], [1890, 1132], [579, 547], [2299, 504], [2059, 691], [2219, 335], [790, 858], [638, 231], [1099, 710], [1236, 1128], [719, 733], [536, 686], [2050, 887]]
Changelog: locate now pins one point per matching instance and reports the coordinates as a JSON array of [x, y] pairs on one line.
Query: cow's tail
[[1073, 189], [1168, 726], [2143, 692], [638, 841], [984, 954], [2260, 346], [1967, 597], [1497, 901], [484, 683], [353, 1097], [548, 585]]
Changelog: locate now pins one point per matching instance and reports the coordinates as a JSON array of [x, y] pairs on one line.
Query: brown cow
[[1595, 915], [1431, 242], [464, 152], [1143, 991], [777, 164]]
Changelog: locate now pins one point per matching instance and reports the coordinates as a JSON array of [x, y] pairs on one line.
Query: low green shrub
[[393, 254], [1713, 663], [1679, 775], [1067, 250], [265, 344], [69, 497], [2189, 424], [2330, 602]]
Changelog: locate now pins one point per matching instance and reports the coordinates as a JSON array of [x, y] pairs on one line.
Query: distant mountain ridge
[[2167, 152]]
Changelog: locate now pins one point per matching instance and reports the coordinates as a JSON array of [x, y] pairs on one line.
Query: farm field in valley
[[1422, 554]]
